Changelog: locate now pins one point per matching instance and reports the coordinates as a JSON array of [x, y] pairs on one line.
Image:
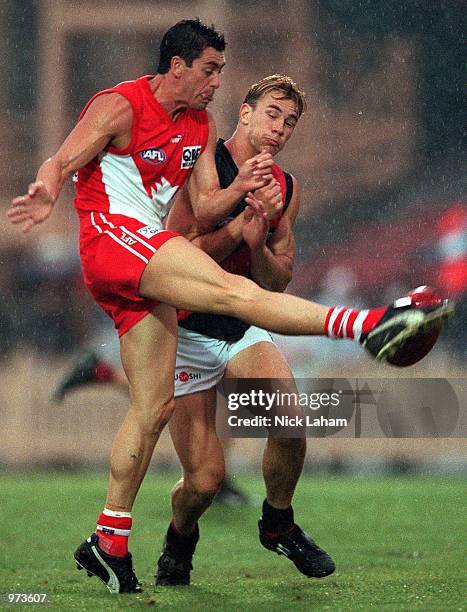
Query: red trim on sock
[[111, 543], [276, 534], [336, 330], [372, 318], [350, 321], [174, 527], [117, 522], [326, 322]]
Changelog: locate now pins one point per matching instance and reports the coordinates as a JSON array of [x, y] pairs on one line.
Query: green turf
[[397, 544]]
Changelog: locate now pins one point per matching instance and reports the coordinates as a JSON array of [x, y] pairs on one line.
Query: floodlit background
[[378, 155]]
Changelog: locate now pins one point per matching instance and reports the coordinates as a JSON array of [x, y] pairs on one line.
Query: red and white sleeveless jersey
[[141, 180]]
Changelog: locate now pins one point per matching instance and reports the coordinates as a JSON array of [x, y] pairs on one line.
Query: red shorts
[[115, 250]]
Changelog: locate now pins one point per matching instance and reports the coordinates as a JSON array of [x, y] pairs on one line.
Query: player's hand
[[255, 173], [32, 208], [255, 223], [271, 197]]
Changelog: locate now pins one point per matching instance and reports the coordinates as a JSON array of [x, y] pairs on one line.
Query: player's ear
[[245, 113], [177, 66]]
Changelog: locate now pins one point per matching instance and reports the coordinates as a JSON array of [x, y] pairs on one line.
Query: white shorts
[[201, 361]]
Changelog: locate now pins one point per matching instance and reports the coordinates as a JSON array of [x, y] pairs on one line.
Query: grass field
[[398, 545]]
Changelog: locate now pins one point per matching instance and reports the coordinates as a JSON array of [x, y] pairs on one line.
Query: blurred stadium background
[[379, 156]]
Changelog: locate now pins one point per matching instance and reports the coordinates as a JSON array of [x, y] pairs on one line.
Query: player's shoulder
[[107, 106]]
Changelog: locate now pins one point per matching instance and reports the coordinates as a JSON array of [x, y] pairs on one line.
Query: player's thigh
[[260, 360], [181, 274], [193, 432], [148, 352]]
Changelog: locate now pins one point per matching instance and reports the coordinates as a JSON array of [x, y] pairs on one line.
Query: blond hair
[[277, 82]]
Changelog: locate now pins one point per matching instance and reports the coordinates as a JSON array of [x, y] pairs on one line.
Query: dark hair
[[188, 39], [281, 83]]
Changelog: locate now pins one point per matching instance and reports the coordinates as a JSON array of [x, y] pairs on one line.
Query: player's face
[[271, 123], [203, 78]]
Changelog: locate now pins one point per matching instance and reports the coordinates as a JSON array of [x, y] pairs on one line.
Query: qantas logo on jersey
[[153, 156], [189, 156]]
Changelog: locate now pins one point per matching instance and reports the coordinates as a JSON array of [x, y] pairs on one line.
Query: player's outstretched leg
[[388, 333]]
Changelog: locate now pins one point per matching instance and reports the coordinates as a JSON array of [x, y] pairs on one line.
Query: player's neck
[[239, 148], [167, 95]]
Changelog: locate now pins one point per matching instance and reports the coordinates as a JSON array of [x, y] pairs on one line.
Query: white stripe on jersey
[[98, 228], [127, 231], [127, 195], [126, 246], [125, 190], [106, 221]]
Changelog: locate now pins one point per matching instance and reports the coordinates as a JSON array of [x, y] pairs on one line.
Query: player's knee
[[236, 293], [206, 484], [154, 417]]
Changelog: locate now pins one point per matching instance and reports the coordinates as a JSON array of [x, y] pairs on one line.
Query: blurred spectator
[[451, 270], [49, 296]]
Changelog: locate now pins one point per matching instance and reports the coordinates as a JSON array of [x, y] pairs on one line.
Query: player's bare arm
[[219, 243], [272, 259], [107, 120], [210, 203]]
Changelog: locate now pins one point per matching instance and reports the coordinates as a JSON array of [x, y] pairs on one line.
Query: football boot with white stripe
[[297, 546], [115, 572], [409, 328]]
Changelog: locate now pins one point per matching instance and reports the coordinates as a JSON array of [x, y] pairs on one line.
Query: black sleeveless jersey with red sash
[[225, 327]]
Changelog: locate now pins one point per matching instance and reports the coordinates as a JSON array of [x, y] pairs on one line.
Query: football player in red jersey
[[128, 173]]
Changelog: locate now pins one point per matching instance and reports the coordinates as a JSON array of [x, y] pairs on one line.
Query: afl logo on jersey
[[154, 156], [189, 156]]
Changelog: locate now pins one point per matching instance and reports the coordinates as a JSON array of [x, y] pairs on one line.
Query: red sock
[[113, 530], [351, 322]]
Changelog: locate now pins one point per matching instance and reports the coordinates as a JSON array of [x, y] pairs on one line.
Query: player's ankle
[[352, 323], [181, 543], [276, 521]]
